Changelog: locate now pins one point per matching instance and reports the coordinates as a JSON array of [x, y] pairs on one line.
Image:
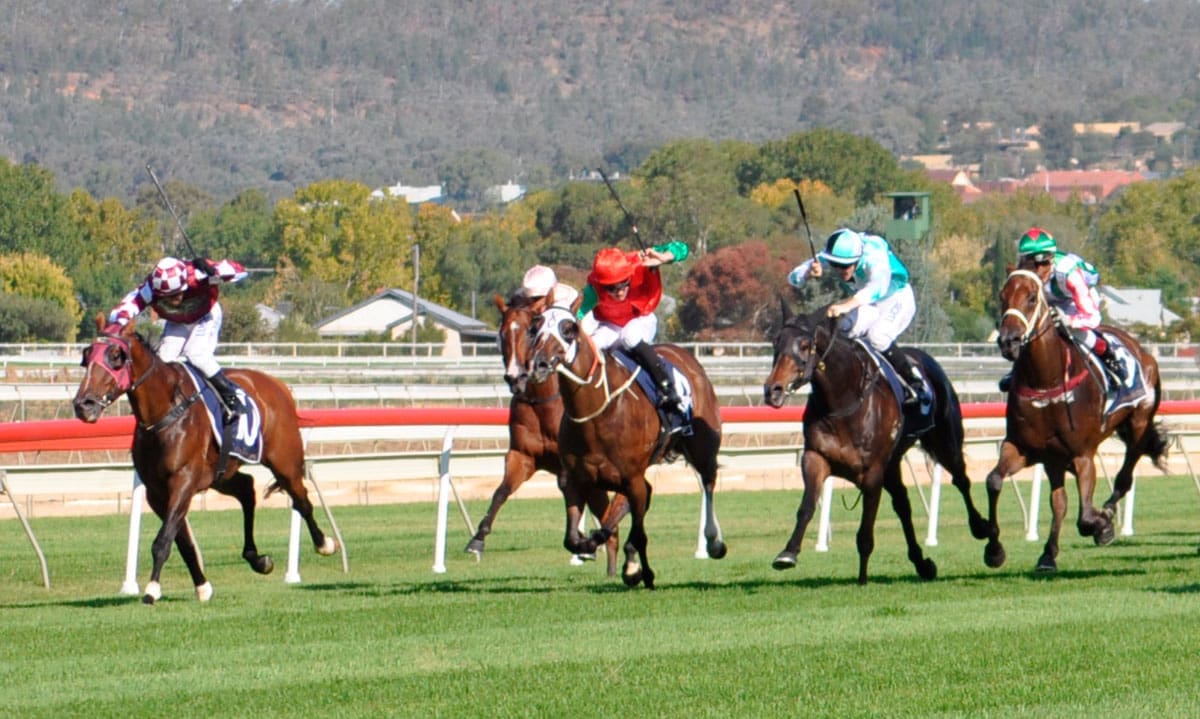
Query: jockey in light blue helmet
[[879, 303]]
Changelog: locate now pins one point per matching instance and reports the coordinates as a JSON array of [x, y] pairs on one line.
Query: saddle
[[1133, 391], [241, 439], [671, 424], [918, 419]]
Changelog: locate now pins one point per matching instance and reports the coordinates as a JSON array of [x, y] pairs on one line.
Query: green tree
[[35, 277], [849, 164], [240, 230]]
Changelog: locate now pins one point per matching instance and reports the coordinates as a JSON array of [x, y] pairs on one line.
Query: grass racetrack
[[1116, 633]]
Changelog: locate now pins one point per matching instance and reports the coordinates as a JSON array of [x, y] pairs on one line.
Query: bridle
[[1042, 310], [816, 363], [125, 382], [551, 321]]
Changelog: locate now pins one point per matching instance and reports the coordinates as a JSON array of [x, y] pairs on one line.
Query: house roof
[[392, 307], [1131, 305]]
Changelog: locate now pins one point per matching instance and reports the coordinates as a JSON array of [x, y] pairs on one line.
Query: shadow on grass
[[93, 603], [1193, 588], [511, 585]]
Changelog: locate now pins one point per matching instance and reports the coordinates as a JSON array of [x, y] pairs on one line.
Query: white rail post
[[1035, 500], [824, 531], [935, 498], [443, 505], [130, 585], [293, 561]]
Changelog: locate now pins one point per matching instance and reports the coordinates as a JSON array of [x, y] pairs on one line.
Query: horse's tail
[[1158, 439]]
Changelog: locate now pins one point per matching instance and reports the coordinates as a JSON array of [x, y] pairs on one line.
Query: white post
[[130, 586], [701, 544], [1127, 522], [443, 505], [1035, 500], [293, 562], [824, 532], [935, 498]]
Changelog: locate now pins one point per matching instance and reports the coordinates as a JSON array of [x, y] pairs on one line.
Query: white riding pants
[[638, 329], [196, 342], [882, 322]]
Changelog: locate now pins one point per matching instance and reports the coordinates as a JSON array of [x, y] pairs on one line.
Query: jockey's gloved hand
[[202, 264]]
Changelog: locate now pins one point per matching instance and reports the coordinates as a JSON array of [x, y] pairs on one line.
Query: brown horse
[[854, 428], [1056, 412], [176, 454], [534, 416], [610, 435]]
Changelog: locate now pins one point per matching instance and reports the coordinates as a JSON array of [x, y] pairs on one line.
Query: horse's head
[[798, 346], [555, 342], [516, 338], [1024, 310], [109, 373]]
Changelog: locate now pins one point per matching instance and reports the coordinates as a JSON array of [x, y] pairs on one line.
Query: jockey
[[1069, 285], [622, 292], [540, 281], [185, 295], [879, 304]]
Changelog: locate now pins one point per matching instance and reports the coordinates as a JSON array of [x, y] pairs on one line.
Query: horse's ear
[[1008, 269], [499, 303], [101, 322]]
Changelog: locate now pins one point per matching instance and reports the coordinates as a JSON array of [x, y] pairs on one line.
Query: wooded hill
[[276, 95]]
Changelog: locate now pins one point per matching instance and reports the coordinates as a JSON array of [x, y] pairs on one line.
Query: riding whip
[[163, 194], [628, 215], [804, 216]]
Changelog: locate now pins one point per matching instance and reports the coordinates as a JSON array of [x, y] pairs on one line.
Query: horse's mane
[[519, 299]]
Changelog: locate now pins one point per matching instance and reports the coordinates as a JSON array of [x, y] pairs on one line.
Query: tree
[[725, 290], [47, 289], [849, 164]]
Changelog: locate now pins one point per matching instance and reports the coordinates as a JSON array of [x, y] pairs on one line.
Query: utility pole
[[416, 289]]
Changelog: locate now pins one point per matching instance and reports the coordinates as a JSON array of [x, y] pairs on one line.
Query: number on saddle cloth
[[246, 440]]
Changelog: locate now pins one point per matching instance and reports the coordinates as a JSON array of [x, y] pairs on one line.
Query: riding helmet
[[1037, 244], [611, 267], [169, 277], [843, 248]]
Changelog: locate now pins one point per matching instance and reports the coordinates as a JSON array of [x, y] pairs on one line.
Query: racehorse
[[854, 428], [1056, 412], [534, 416], [175, 451], [611, 434]]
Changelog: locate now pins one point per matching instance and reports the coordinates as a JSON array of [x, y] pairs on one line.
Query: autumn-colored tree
[[36, 277], [726, 289]]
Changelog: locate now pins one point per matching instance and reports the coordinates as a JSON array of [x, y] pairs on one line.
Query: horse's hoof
[[927, 570], [785, 560], [632, 579], [263, 564], [717, 549], [328, 547], [648, 579], [994, 555], [1104, 535], [1046, 565], [582, 558], [204, 592], [475, 546], [153, 593]]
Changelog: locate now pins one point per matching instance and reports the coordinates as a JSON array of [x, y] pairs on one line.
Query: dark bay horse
[[534, 416], [854, 428], [610, 431], [176, 454], [1056, 413]]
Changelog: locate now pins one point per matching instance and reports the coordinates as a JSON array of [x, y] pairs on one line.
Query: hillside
[[275, 95]]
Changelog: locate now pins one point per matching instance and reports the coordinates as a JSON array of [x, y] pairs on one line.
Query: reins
[[598, 360]]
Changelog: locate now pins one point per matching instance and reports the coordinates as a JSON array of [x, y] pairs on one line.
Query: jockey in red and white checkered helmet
[[184, 293]]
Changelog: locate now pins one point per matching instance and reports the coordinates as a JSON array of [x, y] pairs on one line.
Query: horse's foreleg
[[639, 502], [1012, 460], [1058, 509], [185, 542], [573, 539], [865, 538], [518, 467], [609, 514], [173, 516], [894, 484], [1091, 522], [815, 470]]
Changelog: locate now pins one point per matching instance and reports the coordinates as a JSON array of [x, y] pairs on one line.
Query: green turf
[[1116, 633]]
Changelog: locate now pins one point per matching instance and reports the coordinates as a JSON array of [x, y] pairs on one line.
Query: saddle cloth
[[1134, 390], [917, 419], [246, 442], [682, 386]]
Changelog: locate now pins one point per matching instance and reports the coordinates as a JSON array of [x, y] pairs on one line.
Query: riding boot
[[913, 385], [1116, 370], [228, 393], [645, 356], [1006, 382]]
